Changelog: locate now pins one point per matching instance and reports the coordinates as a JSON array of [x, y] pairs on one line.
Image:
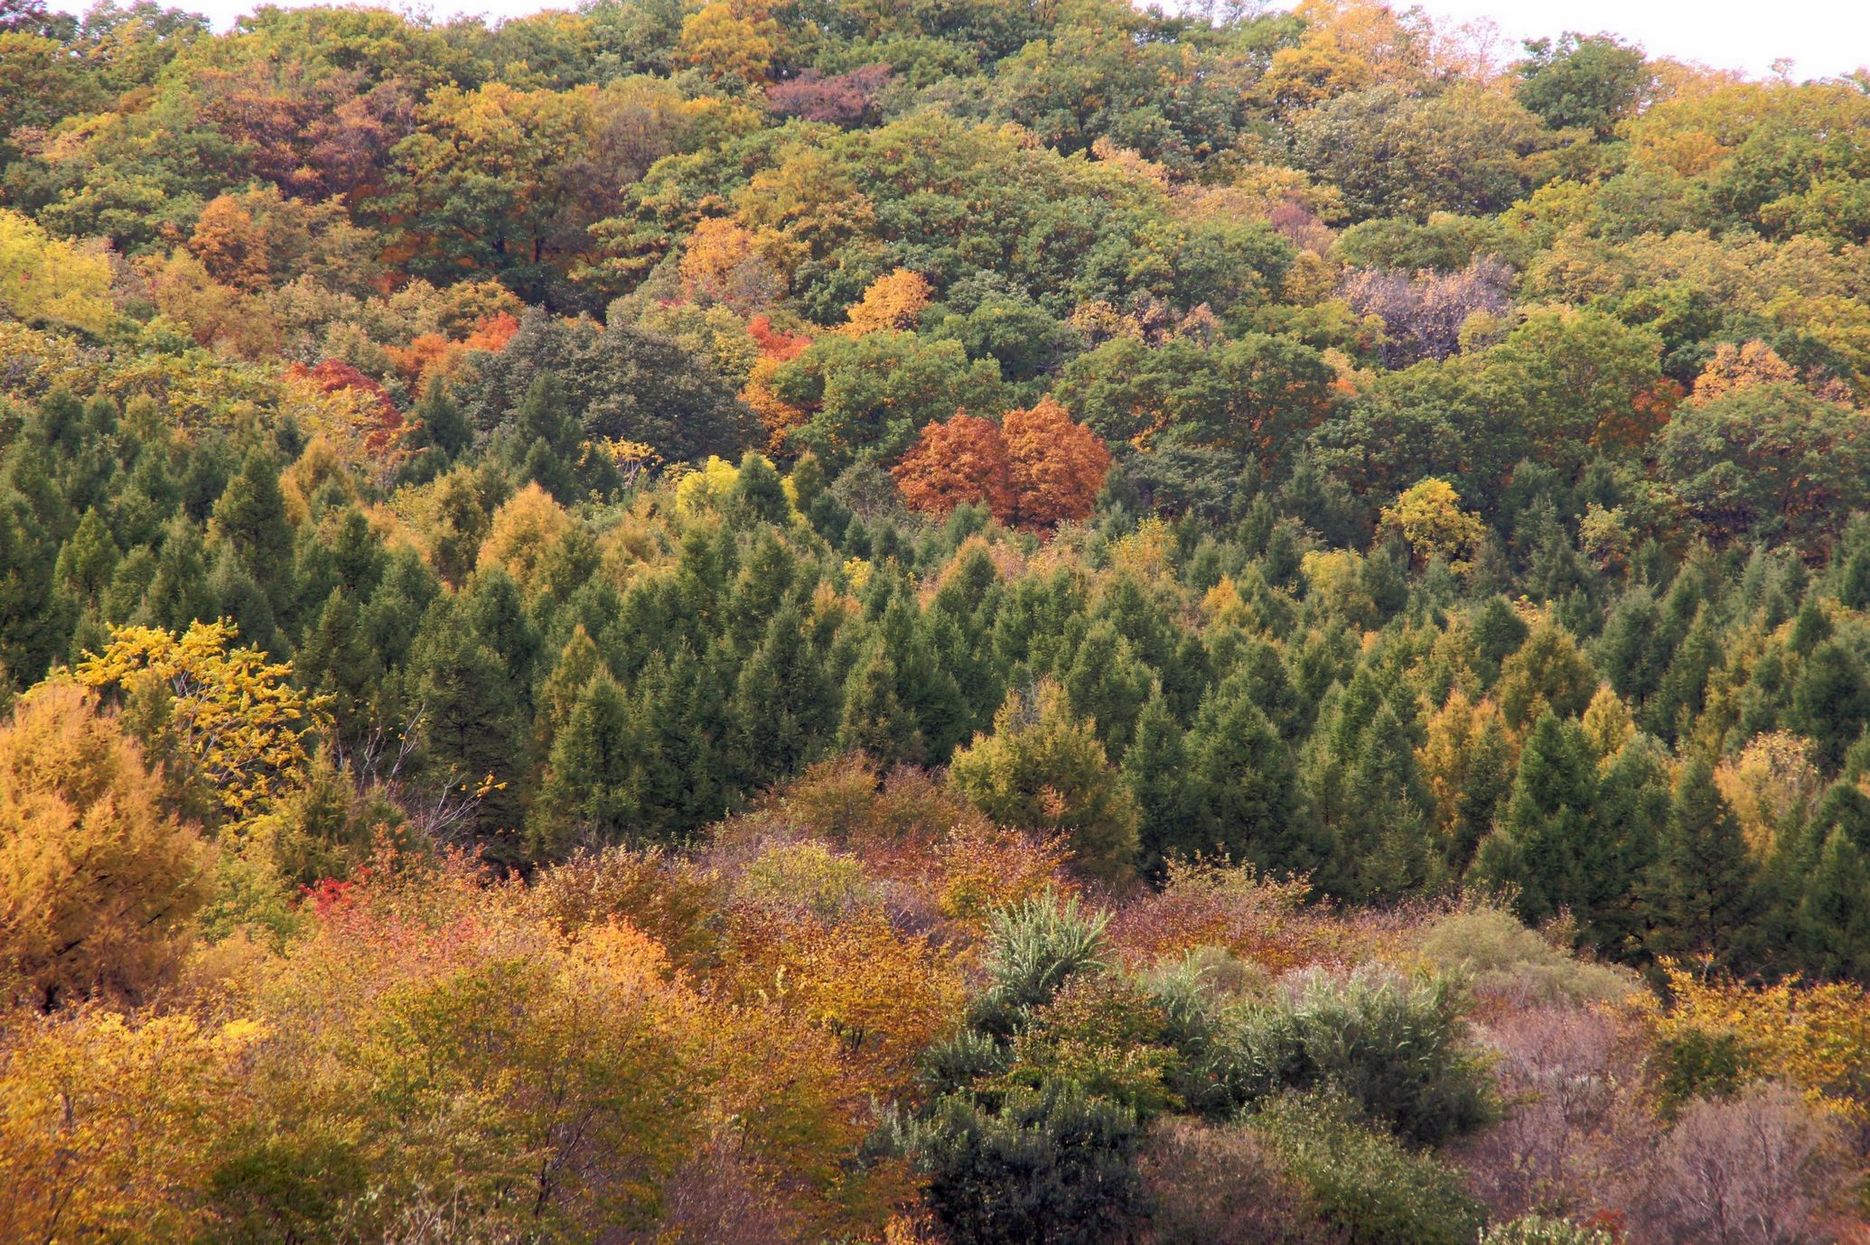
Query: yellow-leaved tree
[[890, 302], [226, 724], [109, 1129], [47, 278], [97, 882], [1430, 518]]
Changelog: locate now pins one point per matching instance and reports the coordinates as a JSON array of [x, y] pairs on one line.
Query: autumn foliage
[[929, 624], [1036, 468], [960, 461]]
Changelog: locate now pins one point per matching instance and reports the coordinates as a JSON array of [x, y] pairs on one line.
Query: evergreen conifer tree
[[1703, 879]]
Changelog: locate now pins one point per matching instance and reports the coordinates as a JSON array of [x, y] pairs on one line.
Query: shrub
[[1032, 950], [1538, 1230], [805, 877], [1717, 1035], [1752, 1170], [666, 898], [1052, 1165], [1395, 1048], [1504, 960], [1366, 1185], [1209, 903], [1208, 1185], [1577, 1119], [1104, 1033]]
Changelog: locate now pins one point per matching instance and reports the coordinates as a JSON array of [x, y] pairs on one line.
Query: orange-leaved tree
[[1036, 468], [953, 463], [1057, 465], [890, 302]]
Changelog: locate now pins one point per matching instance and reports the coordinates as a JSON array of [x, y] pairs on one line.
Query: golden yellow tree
[[728, 41], [47, 278], [97, 882], [891, 302], [1430, 518], [108, 1128], [227, 725], [523, 534]]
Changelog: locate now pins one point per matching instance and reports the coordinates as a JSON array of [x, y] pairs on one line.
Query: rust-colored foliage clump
[[1034, 469]]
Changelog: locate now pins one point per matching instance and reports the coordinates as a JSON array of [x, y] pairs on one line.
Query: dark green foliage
[[1591, 82], [1156, 768], [1367, 1185], [618, 383], [1052, 1166], [1831, 699], [587, 798], [1395, 1050], [1244, 784], [1551, 845], [1703, 877]]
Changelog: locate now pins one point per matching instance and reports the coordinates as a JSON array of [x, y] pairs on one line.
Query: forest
[[936, 623]]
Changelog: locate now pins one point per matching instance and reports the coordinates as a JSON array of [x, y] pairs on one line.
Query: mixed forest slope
[[957, 621]]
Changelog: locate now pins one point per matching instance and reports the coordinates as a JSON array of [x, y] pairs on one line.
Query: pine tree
[[1854, 581], [1548, 836], [1547, 671], [1498, 633], [1679, 698], [758, 496], [395, 609], [1833, 911], [471, 718], [459, 525], [782, 707], [589, 795], [250, 517], [88, 560], [1633, 802], [874, 721], [1245, 786], [493, 608], [765, 580], [1107, 685], [544, 439], [177, 594], [1484, 794], [1831, 700], [1156, 769], [335, 658], [356, 553], [438, 434], [1810, 627], [578, 662], [237, 594], [1628, 652], [924, 688], [1703, 879], [807, 482]]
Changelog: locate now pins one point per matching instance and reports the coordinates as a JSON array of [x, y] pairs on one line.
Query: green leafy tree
[[1768, 460], [1583, 81], [1043, 769]]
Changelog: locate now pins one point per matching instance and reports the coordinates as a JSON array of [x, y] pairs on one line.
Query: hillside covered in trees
[[949, 622]]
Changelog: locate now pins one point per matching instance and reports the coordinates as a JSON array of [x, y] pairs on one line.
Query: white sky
[[1822, 38]]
